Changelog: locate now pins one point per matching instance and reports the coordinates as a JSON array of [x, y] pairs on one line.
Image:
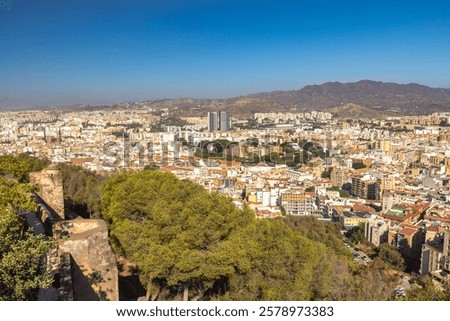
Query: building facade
[[219, 121], [299, 202]]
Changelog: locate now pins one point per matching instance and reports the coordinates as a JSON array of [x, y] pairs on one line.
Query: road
[[360, 256]]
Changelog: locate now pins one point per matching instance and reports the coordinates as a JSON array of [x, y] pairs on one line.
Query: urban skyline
[[380, 187]]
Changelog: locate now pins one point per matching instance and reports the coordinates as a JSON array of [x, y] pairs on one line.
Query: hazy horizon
[[94, 102]]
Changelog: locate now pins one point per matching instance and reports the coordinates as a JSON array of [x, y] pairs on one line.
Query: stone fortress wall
[[83, 265]]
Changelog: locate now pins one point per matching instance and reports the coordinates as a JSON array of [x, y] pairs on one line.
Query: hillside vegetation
[[188, 243], [22, 265]]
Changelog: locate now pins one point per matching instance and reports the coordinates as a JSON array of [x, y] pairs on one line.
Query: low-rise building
[[299, 202], [353, 219]]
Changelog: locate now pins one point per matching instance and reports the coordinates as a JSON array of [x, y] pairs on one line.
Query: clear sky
[[87, 51]]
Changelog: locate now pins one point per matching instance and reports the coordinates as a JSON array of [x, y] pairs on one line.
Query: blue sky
[[67, 52]]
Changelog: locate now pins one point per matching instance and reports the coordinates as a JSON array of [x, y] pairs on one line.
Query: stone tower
[[50, 185]]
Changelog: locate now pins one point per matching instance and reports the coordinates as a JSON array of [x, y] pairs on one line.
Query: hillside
[[386, 97], [370, 98], [351, 110], [373, 98]]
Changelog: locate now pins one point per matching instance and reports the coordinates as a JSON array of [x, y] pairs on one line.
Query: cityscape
[[298, 179], [389, 177]]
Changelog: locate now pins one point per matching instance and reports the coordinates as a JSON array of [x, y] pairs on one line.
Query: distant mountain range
[[362, 99], [366, 96]]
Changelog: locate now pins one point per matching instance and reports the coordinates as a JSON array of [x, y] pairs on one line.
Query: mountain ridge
[[384, 98]]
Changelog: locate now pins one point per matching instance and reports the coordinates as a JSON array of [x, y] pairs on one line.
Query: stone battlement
[[83, 265]]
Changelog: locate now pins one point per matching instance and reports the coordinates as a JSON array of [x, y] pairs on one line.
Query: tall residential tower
[[219, 121]]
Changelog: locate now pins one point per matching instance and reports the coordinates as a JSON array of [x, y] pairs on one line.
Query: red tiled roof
[[407, 231]]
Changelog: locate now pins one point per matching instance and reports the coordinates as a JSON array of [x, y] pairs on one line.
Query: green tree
[[391, 256], [342, 193], [82, 191], [21, 260], [293, 262], [313, 229], [36, 164], [21, 253], [356, 234], [358, 165], [282, 265], [12, 167], [426, 290], [177, 234], [16, 195], [326, 173], [151, 167], [187, 242], [253, 142], [19, 167]]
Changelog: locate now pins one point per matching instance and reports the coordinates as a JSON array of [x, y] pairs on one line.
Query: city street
[[360, 256]]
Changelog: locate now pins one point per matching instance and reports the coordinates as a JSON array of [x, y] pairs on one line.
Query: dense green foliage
[[185, 240], [21, 252], [21, 255], [358, 165], [391, 256], [356, 234], [285, 264], [35, 164], [426, 290], [82, 191], [328, 234], [326, 173], [19, 167], [16, 195], [174, 231], [281, 265]]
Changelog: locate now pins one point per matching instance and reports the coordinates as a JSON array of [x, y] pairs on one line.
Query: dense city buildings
[[391, 176]]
